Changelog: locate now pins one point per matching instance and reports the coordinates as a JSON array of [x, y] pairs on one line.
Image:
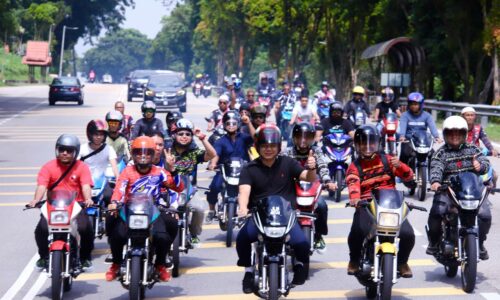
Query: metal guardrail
[[484, 111]]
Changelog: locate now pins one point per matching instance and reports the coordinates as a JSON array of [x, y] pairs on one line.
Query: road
[[28, 130]]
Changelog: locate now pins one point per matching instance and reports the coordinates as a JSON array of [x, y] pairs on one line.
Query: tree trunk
[[496, 77]]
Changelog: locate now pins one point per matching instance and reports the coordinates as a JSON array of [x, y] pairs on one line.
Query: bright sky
[[145, 17]]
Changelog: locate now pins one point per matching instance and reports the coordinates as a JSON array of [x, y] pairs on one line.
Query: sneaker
[[112, 272], [168, 263], [248, 283], [319, 245], [41, 264], [86, 264], [195, 241], [299, 275], [109, 259], [405, 271], [210, 216], [432, 249], [483, 253], [163, 273], [352, 267]]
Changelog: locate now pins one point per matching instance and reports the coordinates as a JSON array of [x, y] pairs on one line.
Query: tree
[[42, 16]]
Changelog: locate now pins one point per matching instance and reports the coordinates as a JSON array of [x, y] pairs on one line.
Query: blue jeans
[[215, 188], [248, 235]]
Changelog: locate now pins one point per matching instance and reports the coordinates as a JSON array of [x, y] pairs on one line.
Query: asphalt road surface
[[28, 130]]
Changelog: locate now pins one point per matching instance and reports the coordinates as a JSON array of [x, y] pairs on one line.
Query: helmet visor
[[303, 140], [367, 145], [62, 149], [143, 155]]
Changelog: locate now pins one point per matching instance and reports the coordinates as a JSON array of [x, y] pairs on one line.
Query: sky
[[145, 17]]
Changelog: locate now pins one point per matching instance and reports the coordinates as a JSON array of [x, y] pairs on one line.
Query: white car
[[106, 78]]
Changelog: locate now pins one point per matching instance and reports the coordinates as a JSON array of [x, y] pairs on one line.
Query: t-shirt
[[226, 148], [98, 162], [73, 181], [120, 145], [279, 179], [384, 108], [187, 160], [330, 126], [304, 114]]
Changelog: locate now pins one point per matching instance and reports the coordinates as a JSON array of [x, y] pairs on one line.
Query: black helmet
[[258, 109], [147, 105], [336, 106], [68, 141], [366, 140], [231, 115], [244, 106], [172, 117], [303, 136], [267, 134], [324, 83]]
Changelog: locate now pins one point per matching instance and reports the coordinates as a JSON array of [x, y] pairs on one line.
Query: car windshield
[[65, 80], [141, 74], [164, 82]]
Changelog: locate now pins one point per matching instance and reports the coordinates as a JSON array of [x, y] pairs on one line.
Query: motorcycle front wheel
[[231, 211], [338, 178], [469, 265], [273, 278], [56, 271], [309, 238], [136, 289], [422, 170], [175, 254], [387, 271]]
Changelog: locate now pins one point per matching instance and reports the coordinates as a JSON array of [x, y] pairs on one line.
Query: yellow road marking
[[17, 175], [334, 206], [13, 204], [18, 184], [340, 221]]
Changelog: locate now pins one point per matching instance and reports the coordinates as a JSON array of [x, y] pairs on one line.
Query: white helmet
[[224, 97], [468, 109], [455, 122]]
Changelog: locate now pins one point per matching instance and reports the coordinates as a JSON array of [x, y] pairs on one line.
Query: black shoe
[[299, 275], [411, 192], [483, 253], [432, 249], [248, 283], [352, 267]]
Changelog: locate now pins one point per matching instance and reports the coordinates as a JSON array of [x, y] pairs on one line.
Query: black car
[[166, 91], [65, 89], [136, 80]]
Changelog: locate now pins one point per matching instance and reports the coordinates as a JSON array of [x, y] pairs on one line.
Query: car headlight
[[181, 93], [274, 232], [59, 217], [150, 93], [469, 204], [138, 222], [386, 219]]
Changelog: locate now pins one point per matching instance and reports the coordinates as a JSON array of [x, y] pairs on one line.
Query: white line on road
[[21, 280], [491, 296], [417, 233], [36, 287], [20, 113]]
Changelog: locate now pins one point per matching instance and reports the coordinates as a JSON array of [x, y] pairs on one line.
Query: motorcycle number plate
[[165, 102]]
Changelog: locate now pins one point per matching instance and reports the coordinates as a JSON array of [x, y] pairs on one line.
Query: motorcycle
[[227, 205], [459, 245], [358, 118], [265, 100], [95, 212], [324, 107], [286, 116], [274, 218], [378, 262], [421, 143], [390, 126], [60, 210], [337, 149], [207, 90], [308, 194], [197, 89], [137, 271]]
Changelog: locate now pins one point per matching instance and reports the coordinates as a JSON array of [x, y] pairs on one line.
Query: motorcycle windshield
[[140, 204], [421, 138], [60, 198], [391, 118], [467, 186], [233, 166], [387, 198], [274, 211]]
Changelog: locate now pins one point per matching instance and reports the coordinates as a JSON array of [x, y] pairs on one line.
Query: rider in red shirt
[[143, 177]]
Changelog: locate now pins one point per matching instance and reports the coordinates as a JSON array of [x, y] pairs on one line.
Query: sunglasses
[[250, 95], [62, 149], [188, 134], [149, 111], [258, 117], [222, 102], [231, 123], [113, 123]]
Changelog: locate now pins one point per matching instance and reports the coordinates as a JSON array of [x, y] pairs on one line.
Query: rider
[[115, 138], [215, 117], [143, 177], [374, 170], [358, 92], [244, 111], [148, 124], [384, 107], [171, 119], [264, 86], [250, 97], [324, 97], [78, 180], [232, 144], [454, 157], [335, 121], [254, 184], [128, 121], [187, 157], [258, 114], [286, 99], [303, 138], [304, 111]]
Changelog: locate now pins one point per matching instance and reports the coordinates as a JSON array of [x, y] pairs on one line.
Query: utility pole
[[62, 47]]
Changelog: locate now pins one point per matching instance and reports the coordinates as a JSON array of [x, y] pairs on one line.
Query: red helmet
[[143, 149], [95, 126]]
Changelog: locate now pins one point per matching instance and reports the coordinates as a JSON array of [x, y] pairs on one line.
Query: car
[[65, 89], [106, 78], [136, 80], [167, 91]]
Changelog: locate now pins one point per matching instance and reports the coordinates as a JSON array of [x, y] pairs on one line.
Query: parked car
[[166, 90], [65, 89], [106, 78]]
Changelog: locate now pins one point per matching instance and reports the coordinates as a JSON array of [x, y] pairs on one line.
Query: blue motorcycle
[[337, 148], [286, 116], [323, 106]]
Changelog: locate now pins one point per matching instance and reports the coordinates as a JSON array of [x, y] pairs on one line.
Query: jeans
[[321, 222], [215, 188]]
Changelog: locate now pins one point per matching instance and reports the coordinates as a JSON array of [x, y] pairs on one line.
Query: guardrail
[[484, 111]]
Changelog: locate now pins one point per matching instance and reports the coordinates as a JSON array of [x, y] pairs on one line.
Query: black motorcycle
[[459, 244], [421, 142]]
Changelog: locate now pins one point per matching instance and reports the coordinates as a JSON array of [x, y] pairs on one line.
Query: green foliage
[[11, 68], [39, 17]]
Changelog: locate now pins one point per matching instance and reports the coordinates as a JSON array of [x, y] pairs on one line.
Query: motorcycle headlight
[[274, 232], [305, 201], [150, 93], [422, 150], [181, 93], [59, 217], [386, 219], [391, 126], [469, 204], [138, 222], [233, 180]]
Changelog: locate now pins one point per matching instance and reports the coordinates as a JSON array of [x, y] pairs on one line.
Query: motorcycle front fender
[[59, 246], [386, 248]]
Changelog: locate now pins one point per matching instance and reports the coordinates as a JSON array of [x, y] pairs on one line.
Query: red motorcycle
[[307, 198], [390, 123]]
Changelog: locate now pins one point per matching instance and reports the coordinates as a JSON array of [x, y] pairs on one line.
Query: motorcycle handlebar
[[412, 207]]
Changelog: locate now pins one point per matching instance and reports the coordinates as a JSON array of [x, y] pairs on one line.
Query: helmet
[[237, 84], [231, 115], [468, 109], [224, 97], [324, 83], [336, 106], [184, 124], [146, 106], [198, 76], [68, 141], [267, 134], [114, 115], [143, 149], [303, 136], [244, 106], [95, 126], [358, 90], [172, 117], [258, 109], [263, 76], [455, 123], [388, 92], [233, 76], [366, 140], [417, 98]]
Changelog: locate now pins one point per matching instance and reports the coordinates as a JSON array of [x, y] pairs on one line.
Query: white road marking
[[20, 113], [36, 287], [21, 280], [491, 296], [417, 233]]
